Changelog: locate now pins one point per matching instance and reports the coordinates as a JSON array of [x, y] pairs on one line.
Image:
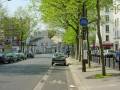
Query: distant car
[[30, 55], [3, 58], [18, 56], [109, 53], [23, 56], [12, 57], [59, 58], [117, 56], [95, 53]]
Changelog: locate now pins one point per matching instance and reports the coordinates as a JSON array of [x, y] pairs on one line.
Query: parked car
[[117, 56], [12, 57], [59, 58], [3, 58], [18, 56], [95, 53], [30, 55], [109, 53], [23, 56]]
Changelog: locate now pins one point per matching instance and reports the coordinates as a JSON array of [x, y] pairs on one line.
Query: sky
[[14, 4]]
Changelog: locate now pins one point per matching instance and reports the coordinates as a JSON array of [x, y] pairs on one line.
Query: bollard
[[113, 62], [99, 59], [84, 66], [119, 63], [109, 60], [105, 60]]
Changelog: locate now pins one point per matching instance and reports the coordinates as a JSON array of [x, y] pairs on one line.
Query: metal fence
[[111, 62]]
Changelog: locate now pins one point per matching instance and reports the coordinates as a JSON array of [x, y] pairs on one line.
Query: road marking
[[72, 86], [43, 80], [77, 80], [57, 82]]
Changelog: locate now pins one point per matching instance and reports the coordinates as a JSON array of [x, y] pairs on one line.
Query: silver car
[[59, 58]]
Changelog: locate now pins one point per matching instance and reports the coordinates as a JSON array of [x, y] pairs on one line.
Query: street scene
[[59, 44]]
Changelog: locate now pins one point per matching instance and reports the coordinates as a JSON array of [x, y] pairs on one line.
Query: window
[[106, 9], [107, 18], [117, 22], [107, 28], [107, 37], [42, 44]]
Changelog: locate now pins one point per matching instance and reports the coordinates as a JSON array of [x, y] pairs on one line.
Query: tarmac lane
[[24, 75], [60, 78]]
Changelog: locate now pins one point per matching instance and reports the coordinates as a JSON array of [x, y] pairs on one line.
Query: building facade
[[41, 43], [110, 26]]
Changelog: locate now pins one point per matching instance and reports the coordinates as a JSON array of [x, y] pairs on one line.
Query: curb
[[77, 79]]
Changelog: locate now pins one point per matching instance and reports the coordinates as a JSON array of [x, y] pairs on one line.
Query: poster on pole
[[85, 55]]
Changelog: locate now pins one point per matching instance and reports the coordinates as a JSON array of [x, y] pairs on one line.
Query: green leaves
[[69, 36], [67, 13], [51, 33]]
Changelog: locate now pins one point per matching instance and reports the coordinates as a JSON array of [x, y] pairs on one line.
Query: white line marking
[[72, 86], [43, 80]]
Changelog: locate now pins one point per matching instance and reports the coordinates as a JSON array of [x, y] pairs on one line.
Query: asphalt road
[[35, 74]]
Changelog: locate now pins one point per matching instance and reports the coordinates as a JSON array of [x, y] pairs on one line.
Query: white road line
[[43, 80], [70, 86]]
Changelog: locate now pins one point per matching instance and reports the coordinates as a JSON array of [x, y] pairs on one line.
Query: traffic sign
[[83, 21]]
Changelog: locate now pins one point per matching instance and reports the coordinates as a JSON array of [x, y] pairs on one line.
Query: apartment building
[[42, 44], [110, 26], [116, 6]]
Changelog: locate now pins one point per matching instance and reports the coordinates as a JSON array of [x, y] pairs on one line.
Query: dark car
[[12, 57], [23, 56], [59, 58], [117, 56], [109, 53], [18, 56], [3, 58], [30, 55]]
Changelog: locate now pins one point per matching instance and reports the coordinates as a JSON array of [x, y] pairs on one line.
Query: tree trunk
[[99, 37], [73, 51], [77, 48], [80, 48], [88, 45], [89, 51]]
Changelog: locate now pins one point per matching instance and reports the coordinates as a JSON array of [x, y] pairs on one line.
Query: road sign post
[[84, 23]]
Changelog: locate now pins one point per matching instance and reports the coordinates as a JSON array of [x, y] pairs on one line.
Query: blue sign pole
[[83, 21]]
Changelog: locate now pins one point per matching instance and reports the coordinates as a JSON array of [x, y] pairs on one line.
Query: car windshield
[[1, 54], [9, 54], [59, 54]]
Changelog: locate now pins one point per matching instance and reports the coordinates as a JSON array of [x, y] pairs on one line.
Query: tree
[[24, 19], [63, 14], [67, 14], [69, 37], [51, 33]]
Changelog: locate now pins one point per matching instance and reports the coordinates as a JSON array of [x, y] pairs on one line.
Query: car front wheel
[[65, 64], [52, 63]]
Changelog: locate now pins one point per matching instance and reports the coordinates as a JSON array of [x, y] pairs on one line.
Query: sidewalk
[[87, 81]]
